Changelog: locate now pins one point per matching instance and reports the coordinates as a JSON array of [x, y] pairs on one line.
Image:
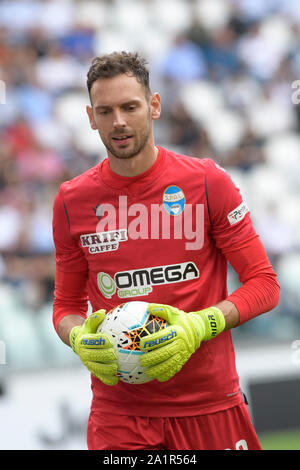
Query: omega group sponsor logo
[[140, 282]]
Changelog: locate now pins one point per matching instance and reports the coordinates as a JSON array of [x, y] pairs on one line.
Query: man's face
[[123, 114]]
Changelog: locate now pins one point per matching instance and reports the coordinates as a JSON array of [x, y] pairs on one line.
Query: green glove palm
[[169, 349], [95, 349]]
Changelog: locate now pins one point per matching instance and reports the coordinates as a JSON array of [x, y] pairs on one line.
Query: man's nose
[[119, 119]]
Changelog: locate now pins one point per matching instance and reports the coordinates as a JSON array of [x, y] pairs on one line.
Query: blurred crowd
[[224, 69]]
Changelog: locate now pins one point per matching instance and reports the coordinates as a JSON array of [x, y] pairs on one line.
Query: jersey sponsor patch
[[103, 241], [238, 214], [140, 282]]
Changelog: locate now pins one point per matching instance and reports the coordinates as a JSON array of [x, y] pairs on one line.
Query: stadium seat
[[282, 153], [289, 274], [91, 14], [202, 99], [225, 129], [267, 187], [23, 347], [268, 117], [112, 39], [213, 14], [70, 110], [130, 16], [173, 16], [278, 31]]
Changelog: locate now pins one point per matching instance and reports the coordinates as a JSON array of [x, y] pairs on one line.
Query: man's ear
[[89, 111], [155, 106]]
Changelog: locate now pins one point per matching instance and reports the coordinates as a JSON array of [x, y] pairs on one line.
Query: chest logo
[[174, 200], [140, 282], [103, 241]]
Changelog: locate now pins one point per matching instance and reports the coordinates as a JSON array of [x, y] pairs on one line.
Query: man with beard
[[194, 401]]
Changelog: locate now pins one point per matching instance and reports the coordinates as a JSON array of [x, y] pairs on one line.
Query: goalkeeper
[[104, 227]]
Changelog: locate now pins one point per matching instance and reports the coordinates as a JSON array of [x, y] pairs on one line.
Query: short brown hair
[[115, 63]]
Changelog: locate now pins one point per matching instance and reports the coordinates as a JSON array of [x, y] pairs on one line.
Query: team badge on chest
[[174, 200]]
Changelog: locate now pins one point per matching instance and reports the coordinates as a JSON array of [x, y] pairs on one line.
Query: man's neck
[[133, 166]]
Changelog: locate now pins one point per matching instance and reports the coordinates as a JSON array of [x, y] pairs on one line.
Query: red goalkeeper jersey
[[164, 236]]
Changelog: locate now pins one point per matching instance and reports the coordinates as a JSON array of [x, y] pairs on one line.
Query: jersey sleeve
[[235, 236], [260, 290], [70, 292], [229, 215], [68, 255]]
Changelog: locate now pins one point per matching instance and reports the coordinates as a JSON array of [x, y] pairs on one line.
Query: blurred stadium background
[[226, 71]]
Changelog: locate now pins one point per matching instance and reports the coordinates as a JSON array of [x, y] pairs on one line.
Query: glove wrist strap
[[213, 319]]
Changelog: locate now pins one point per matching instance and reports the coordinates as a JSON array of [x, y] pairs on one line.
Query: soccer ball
[[126, 324]]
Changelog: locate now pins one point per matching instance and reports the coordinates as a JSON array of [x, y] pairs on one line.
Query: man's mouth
[[122, 138]]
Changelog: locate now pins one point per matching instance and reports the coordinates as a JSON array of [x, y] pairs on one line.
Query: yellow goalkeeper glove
[[95, 349], [169, 349]]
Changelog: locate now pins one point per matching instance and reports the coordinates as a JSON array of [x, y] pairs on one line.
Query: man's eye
[[102, 112]]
